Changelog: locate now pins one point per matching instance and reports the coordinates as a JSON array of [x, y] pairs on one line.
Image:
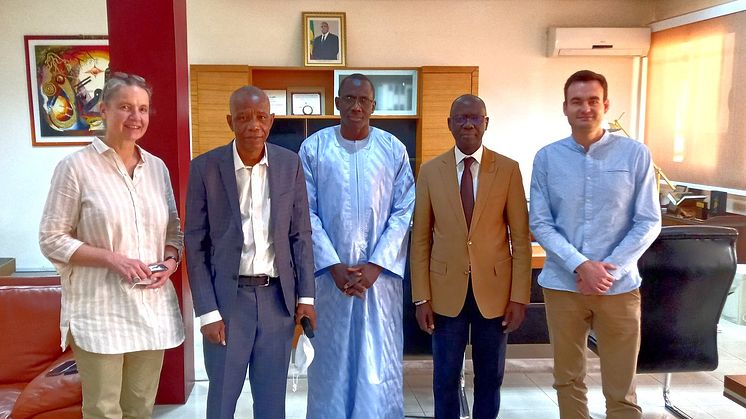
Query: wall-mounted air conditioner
[[598, 41]]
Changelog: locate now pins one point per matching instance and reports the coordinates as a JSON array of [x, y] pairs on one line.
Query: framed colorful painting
[[65, 76]]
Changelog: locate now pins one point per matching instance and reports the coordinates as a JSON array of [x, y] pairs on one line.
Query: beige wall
[[25, 171], [664, 9], [505, 38]]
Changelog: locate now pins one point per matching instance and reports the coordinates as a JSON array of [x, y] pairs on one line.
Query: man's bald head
[[467, 122], [466, 99], [249, 94], [251, 121]]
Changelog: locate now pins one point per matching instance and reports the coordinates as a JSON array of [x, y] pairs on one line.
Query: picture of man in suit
[[470, 260], [248, 239], [326, 45]]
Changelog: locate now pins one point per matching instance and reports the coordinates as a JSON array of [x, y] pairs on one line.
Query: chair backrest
[[686, 274], [739, 223]]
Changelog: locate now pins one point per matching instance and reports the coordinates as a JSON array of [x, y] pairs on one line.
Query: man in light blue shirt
[[594, 209]]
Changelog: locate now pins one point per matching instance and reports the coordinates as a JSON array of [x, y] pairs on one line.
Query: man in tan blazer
[[471, 260]]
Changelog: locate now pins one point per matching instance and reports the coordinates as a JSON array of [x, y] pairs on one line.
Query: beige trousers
[[118, 386], [616, 322]]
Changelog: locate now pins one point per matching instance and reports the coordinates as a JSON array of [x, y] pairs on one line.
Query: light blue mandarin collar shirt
[[600, 205]]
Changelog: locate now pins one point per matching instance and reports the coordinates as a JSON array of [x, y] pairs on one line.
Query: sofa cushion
[[8, 395], [29, 331], [44, 394], [72, 412]]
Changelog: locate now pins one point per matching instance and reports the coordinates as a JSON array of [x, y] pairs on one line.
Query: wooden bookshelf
[[425, 134]]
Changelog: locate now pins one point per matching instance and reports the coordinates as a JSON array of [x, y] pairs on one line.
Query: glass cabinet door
[[396, 90]]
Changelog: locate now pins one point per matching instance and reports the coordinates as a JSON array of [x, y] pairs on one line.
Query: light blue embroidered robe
[[361, 196]]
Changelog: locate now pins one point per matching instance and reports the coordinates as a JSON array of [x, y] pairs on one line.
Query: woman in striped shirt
[[110, 218]]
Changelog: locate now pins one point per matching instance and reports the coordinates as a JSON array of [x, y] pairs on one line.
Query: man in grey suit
[[250, 261]]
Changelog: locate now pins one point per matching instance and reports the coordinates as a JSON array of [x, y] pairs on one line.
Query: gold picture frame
[[324, 39]]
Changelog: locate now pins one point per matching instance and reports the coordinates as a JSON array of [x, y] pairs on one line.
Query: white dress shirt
[[93, 200], [258, 251], [460, 156]]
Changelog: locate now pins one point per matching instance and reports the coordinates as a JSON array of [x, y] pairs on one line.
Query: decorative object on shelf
[[396, 90], [690, 206], [65, 79], [305, 101], [278, 101], [324, 39], [718, 203], [615, 126]]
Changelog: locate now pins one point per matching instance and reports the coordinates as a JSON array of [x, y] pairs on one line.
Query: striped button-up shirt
[[93, 200], [600, 205]]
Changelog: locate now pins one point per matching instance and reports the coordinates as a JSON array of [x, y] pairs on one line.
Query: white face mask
[[302, 359]]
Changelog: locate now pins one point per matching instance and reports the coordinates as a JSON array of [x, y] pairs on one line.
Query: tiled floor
[[527, 391]]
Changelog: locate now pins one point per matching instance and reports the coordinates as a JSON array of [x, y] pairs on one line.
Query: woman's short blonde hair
[[118, 80]]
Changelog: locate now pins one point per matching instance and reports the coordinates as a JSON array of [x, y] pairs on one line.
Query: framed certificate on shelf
[[306, 103], [306, 100], [277, 101]]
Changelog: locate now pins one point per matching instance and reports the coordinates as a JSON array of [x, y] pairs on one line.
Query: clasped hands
[[593, 277], [355, 280], [134, 270]]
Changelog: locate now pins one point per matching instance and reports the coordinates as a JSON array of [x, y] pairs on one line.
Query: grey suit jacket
[[213, 235]]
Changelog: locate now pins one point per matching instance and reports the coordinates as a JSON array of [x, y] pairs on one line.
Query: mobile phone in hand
[[143, 282], [66, 368], [158, 267]]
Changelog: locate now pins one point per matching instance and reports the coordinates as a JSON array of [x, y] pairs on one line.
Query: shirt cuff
[[572, 263], [211, 317], [305, 300]]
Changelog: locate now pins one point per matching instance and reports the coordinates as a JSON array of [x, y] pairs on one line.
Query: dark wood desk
[[735, 388], [736, 221]]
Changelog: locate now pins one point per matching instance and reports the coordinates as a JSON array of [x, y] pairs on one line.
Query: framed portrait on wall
[[324, 39], [65, 76]]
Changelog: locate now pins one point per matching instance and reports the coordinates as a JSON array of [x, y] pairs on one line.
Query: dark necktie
[[467, 191]]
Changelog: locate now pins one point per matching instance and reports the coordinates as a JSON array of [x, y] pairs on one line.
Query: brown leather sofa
[[30, 349]]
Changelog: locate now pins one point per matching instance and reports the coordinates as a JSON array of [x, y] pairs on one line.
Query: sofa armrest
[[45, 393]]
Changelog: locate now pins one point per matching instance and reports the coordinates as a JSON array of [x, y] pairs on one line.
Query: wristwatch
[[421, 302], [172, 257]]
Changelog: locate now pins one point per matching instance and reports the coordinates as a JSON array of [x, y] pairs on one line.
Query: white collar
[[238, 163], [461, 156], [101, 147]]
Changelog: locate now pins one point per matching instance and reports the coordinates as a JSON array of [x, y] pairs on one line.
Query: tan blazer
[[443, 250]]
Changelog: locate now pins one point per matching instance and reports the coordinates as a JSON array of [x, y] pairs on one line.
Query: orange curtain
[[696, 104]]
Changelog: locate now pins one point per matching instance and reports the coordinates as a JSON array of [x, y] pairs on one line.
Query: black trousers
[[488, 355]]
